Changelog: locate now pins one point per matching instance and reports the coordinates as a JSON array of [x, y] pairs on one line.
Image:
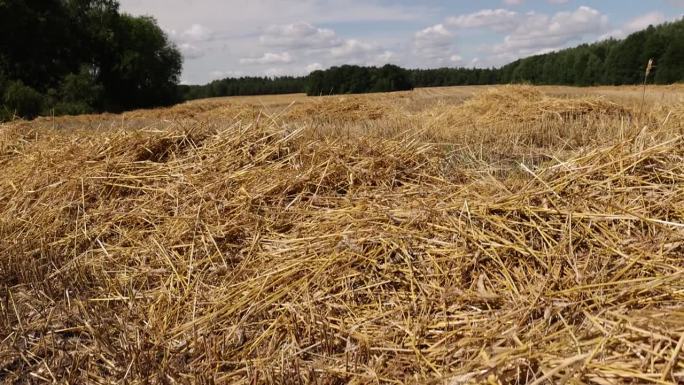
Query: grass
[[404, 238]]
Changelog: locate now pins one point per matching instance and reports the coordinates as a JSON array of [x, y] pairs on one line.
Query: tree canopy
[[355, 80], [76, 56]]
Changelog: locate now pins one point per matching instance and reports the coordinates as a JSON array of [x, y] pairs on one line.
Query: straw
[[254, 249]]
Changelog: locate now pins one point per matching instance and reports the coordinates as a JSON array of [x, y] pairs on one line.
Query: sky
[[231, 38]]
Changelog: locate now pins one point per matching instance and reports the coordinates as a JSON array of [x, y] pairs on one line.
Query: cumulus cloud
[[190, 51], [269, 58], [196, 32], [456, 59], [531, 28], [191, 41], [436, 36], [436, 44], [542, 32], [299, 35], [218, 74], [320, 45], [499, 20], [531, 32], [351, 48], [353, 51], [314, 67], [276, 71], [636, 24]]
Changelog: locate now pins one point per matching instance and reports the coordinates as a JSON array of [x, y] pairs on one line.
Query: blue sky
[[220, 38]]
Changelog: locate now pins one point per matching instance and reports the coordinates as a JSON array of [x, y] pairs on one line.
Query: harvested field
[[522, 236], [339, 110], [521, 104]]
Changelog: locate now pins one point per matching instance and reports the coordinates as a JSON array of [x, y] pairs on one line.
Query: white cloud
[[636, 24], [299, 35], [433, 38], [321, 46], [435, 45], [351, 48], [191, 41], [531, 32], [190, 51], [196, 32], [269, 58], [541, 32], [353, 51], [314, 67], [641, 22], [436, 32], [217, 74], [498, 20], [274, 72], [383, 58]]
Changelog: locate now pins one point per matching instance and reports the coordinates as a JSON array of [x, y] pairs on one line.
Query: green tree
[[670, 69], [146, 69], [38, 43], [593, 71], [44, 44], [22, 100], [79, 93]]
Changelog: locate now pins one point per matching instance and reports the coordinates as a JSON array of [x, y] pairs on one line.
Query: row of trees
[[79, 56], [611, 62], [336, 80], [355, 80], [454, 77], [245, 86]]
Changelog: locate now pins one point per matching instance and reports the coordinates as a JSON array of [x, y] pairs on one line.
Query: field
[[507, 235]]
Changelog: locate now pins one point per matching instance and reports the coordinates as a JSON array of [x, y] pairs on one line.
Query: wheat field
[[466, 235]]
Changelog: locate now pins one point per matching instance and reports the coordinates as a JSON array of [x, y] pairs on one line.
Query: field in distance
[[500, 235]]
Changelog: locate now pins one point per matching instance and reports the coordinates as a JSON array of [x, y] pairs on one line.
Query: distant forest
[[80, 56], [608, 62]]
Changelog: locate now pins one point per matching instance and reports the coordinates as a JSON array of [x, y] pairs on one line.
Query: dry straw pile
[[340, 110], [254, 254], [521, 104]]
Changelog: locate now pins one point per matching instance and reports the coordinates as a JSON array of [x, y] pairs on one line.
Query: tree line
[[81, 56], [608, 62], [346, 79], [252, 85], [355, 80]]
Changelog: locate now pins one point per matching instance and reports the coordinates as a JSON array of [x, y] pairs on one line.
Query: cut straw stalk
[[649, 67]]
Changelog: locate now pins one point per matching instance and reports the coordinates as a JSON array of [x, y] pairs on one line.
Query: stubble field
[[499, 235]]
